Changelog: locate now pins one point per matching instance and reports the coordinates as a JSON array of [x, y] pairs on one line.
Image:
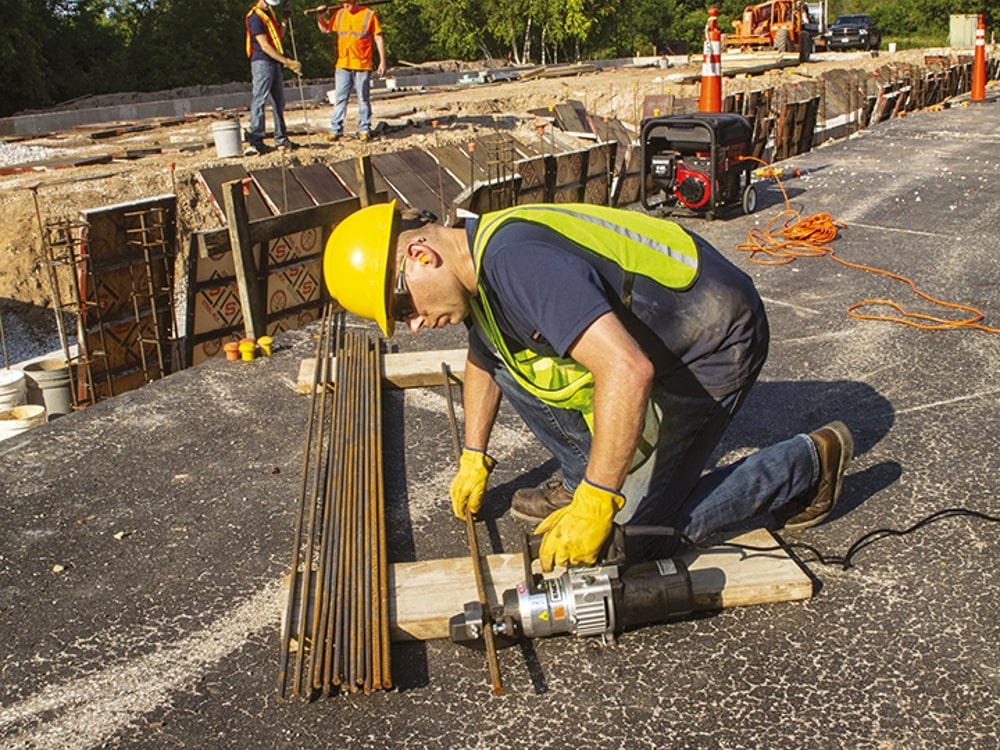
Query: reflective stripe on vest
[[652, 247], [270, 26], [354, 48]]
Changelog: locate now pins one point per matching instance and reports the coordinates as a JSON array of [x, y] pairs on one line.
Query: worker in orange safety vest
[[357, 27]]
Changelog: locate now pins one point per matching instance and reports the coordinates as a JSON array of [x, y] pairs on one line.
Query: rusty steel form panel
[[126, 321]]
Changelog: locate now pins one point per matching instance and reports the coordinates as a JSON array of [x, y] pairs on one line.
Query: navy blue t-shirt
[[545, 291], [257, 27]]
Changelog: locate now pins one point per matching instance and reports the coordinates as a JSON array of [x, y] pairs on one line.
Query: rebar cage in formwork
[[117, 280], [335, 629], [69, 268]]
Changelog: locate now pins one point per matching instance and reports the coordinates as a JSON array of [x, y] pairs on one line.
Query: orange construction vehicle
[[776, 25]]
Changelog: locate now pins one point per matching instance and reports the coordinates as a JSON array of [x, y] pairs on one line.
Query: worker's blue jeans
[[344, 81], [670, 489], [267, 84]]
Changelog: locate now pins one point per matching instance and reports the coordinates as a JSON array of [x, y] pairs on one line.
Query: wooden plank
[[347, 172], [414, 191], [457, 162], [321, 183], [280, 190], [447, 187], [402, 369], [214, 242], [423, 596], [247, 274], [213, 178]]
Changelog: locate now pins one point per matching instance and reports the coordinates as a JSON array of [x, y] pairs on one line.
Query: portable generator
[[697, 163]]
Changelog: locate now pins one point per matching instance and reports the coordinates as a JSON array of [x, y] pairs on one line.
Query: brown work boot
[[835, 447], [532, 504]]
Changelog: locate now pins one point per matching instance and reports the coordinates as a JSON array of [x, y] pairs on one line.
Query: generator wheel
[[749, 199]]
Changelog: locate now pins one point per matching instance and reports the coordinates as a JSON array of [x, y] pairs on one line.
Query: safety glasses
[[402, 302]]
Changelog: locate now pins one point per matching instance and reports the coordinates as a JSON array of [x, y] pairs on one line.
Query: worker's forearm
[[481, 401], [619, 414], [271, 52], [380, 46], [623, 379]]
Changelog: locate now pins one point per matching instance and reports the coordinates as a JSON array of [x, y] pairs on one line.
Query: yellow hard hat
[[356, 263]]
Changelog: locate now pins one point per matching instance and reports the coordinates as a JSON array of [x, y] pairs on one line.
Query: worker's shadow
[[775, 411]]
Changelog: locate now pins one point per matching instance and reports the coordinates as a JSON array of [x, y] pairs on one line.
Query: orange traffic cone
[[979, 63], [711, 66]]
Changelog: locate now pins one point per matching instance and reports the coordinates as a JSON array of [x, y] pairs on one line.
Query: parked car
[[853, 32]]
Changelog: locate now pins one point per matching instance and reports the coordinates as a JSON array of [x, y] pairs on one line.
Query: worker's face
[[426, 293]]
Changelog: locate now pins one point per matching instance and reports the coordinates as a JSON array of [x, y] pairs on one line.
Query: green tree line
[[55, 51]]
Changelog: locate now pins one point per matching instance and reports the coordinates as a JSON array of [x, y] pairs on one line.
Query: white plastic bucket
[[13, 391], [19, 419], [227, 138], [49, 386], [892, 46]]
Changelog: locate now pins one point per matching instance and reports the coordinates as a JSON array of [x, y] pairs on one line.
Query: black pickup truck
[[853, 32]]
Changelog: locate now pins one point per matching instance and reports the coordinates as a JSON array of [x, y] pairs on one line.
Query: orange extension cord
[[788, 236]]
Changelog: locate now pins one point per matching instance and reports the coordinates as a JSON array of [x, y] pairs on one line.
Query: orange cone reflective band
[[711, 66], [979, 63]]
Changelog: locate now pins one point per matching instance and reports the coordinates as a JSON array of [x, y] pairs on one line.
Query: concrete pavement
[[142, 540]]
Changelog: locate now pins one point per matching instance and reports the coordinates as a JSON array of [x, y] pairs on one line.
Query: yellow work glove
[[295, 66], [469, 485], [574, 534]]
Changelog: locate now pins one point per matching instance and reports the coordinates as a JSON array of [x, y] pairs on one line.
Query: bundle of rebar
[[335, 632]]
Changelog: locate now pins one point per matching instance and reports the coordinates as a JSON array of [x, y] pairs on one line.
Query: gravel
[[16, 153]]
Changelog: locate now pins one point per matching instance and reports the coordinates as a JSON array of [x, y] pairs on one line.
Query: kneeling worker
[[625, 343]]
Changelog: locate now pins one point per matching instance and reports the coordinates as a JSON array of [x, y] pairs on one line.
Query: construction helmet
[[356, 263]]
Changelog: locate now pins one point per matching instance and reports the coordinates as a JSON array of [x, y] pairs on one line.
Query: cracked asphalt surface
[[170, 512]]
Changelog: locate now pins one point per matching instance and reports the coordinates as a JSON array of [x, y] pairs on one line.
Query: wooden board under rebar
[[423, 596], [401, 370]]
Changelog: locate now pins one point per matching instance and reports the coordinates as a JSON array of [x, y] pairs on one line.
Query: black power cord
[[868, 539]]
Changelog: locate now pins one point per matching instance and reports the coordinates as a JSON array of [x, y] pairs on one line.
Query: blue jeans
[[345, 80], [267, 84], [669, 488]]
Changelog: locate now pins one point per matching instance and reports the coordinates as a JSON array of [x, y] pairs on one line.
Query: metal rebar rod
[[452, 421], [366, 494], [357, 620], [314, 509], [375, 623], [383, 546], [327, 544], [299, 516], [492, 662], [332, 664]]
